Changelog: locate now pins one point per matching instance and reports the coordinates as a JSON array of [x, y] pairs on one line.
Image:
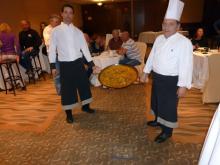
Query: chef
[[69, 43], [171, 64]]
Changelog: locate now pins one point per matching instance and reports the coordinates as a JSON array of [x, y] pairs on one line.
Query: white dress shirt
[[69, 42], [172, 56], [46, 34]]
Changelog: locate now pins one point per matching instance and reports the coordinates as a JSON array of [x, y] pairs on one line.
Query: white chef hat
[[174, 10]]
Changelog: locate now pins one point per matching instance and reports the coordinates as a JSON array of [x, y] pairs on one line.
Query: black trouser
[[164, 100], [74, 82], [25, 59]]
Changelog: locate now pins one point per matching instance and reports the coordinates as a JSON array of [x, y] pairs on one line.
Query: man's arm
[[149, 64], [85, 50], [185, 68], [122, 51], [86, 53], [52, 52]]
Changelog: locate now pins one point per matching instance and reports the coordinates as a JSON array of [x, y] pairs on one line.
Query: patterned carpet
[[33, 132], [31, 110]]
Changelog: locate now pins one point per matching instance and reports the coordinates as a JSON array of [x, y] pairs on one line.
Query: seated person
[[199, 40], [29, 44], [96, 45], [116, 42], [9, 49], [9, 46], [130, 51]]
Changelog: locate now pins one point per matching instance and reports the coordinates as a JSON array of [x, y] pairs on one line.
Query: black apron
[[164, 99]]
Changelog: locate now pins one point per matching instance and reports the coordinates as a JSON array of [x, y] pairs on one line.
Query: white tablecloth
[[44, 61], [210, 154], [104, 60], [201, 68]]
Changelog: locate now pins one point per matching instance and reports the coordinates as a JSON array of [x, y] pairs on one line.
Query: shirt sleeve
[[52, 49], [46, 36], [185, 65], [84, 49], [126, 45], [149, 64]]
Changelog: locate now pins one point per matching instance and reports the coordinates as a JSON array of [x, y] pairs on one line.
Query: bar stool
[[12, 79], [38, 69]]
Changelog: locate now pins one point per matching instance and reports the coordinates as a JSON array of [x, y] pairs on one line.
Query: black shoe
[[69, 116], [162, 137], [69, 120], [23, 88], [153, 123], [88, 110]]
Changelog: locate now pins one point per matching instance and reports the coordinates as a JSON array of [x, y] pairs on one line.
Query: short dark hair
[[68, 6]]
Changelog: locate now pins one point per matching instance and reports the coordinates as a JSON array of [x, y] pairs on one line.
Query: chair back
[[211, 93]]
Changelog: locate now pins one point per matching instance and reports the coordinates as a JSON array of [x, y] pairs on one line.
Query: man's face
[[54, 22], [67, 15], [170, 27], [25, 25], [115, 34], [124, 36]]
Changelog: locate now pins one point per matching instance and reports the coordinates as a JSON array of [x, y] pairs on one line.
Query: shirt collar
[[64, 24], [171, 37]]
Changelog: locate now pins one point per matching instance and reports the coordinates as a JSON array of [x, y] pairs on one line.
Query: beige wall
[[36, 11], [193, 11]]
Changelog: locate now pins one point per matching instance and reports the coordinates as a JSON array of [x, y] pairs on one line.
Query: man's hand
[[54, 72], [181, 92], [121, 51], [29, 49], [96, 69], [144, 78]]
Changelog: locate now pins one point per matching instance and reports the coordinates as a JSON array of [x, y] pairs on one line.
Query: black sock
[[69, 113], [167, 130], [85, 107]]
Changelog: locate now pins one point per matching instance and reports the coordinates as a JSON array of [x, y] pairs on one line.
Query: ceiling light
[[99, 3]]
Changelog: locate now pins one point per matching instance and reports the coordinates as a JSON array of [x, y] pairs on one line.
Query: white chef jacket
[[172, 56], [46, 34], [69, 42], [210, 154]]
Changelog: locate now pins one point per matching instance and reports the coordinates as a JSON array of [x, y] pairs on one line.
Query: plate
[[118, 76]]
